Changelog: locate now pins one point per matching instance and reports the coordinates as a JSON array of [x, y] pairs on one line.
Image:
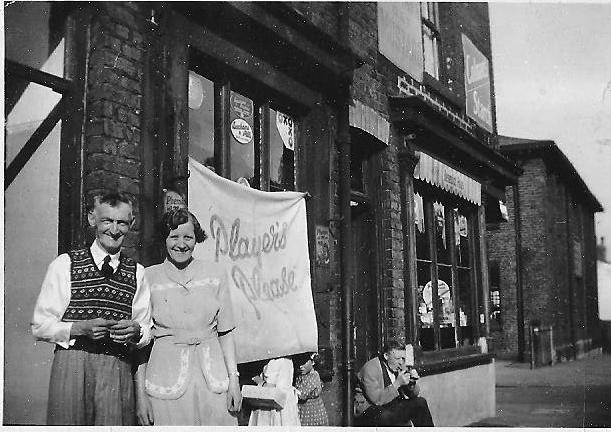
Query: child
[[312, 410], [277, 373]]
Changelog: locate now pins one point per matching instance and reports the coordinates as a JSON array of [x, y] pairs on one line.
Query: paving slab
[[573, 394]]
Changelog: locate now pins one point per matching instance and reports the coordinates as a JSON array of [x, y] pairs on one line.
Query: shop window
[[430, 37], [445, 273], [260, 147]]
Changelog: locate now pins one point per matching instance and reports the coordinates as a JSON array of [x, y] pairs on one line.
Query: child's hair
[[300, 359]]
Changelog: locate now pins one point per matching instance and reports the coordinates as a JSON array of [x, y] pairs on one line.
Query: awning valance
[[447, 178]]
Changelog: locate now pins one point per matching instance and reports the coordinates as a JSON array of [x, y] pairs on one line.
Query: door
[[365, 291]]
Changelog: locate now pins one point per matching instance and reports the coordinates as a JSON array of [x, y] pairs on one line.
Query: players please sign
[[260, 239]]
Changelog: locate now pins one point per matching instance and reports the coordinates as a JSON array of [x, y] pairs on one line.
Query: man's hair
[[110, 198], [392, 344], [172, 218]]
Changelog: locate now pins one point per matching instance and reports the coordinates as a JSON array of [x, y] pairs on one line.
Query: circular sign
[[241, 131]]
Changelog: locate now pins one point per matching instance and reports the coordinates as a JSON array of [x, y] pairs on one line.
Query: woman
[[191, 376]]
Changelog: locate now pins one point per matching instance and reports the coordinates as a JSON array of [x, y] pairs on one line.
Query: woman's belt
[[183, 337]]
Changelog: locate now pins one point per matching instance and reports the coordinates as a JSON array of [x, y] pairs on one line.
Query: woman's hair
[[172, 218]]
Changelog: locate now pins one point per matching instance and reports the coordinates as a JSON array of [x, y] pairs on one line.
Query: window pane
[[465, 306], [423, 250], [30, 110], [201, 119], [429, 42], [282, 151], [447, 319], [425, 306], [463, 246], [241, 117], [424, 9], [441, 213]]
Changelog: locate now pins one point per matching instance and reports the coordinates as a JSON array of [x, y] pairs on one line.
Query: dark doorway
[[365, 298]]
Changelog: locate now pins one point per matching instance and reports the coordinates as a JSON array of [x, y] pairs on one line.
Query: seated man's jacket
[[376, 387]]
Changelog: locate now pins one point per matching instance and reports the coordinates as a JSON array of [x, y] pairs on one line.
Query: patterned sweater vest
[[94, 296]]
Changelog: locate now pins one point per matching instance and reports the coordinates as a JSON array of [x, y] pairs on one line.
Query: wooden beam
[[33, 143], [330, 60], [55, 83], [244, 62]]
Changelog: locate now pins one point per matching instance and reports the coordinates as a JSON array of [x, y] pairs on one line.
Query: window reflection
[[201, 119]]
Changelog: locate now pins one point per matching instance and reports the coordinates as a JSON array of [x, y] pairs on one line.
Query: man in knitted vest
[[94, 306]]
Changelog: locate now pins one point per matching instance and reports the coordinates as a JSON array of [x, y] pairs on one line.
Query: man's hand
[[125, 331], [403, 378], [94, 329], [234, 395]]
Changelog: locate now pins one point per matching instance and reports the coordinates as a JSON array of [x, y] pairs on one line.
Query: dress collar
[[182, 277]]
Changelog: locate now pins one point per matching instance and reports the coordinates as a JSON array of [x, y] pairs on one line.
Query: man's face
[[111, 225], [395, 359]]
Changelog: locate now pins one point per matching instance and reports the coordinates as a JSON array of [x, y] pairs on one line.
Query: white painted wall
[[461, 397]]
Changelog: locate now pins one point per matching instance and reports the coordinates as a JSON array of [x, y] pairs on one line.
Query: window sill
[[438, 365]]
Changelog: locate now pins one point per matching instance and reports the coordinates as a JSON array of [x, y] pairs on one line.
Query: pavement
[[574, 394]]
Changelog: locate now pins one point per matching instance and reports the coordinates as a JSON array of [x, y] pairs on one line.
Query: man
[[389, 391], [94, 306]]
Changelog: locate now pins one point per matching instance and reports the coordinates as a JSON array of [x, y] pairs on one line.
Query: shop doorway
[[365, 293]]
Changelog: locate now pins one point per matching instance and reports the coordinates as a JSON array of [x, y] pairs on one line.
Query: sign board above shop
[[477, 85], [400, 36]]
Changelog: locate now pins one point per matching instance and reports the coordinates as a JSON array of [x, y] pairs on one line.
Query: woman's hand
[[234, 395], [144, 409]]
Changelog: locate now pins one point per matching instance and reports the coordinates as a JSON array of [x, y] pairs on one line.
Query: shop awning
[[439, 174]]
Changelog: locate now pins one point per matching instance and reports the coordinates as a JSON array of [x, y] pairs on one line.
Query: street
[[572, 394]]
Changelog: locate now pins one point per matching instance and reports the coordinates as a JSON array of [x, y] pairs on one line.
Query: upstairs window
[[430, 37]]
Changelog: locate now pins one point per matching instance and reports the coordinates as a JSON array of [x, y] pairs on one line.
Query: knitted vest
[[94, 296]]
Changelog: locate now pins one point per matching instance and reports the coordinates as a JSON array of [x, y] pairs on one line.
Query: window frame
[[430, 28], [74, 28], [224, 84], [429, 195]]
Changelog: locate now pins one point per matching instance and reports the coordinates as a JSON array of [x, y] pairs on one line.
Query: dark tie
[[107, 269]]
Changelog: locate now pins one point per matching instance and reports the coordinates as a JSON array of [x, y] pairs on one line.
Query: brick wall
[[552, 221], [502, 249], [114, 93]]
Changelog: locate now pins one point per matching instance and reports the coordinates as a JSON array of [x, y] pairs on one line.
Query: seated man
[[390, 391]]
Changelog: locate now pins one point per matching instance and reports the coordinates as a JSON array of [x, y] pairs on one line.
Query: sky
[[552, 78]]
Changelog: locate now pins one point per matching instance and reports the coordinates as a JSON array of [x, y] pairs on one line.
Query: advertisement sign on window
[[477, 85]]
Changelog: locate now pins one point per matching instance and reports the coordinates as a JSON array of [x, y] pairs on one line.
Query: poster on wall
[[477, 85], [260, 239], [400, 36]]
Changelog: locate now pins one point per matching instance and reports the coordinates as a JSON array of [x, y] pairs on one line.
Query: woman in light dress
[[191, 375]]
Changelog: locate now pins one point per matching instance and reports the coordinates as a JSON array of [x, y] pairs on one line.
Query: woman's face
[[180, 243]]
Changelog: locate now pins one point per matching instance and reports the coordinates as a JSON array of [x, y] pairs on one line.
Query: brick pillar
[[113, 106]]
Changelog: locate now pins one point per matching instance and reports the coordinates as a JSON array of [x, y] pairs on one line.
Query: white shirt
[[54, 299]]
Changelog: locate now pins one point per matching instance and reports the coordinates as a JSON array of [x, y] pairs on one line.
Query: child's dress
[[280, 373], [312, 410]]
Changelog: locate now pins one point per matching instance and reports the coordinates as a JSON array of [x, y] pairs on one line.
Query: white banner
[[260, 238]]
